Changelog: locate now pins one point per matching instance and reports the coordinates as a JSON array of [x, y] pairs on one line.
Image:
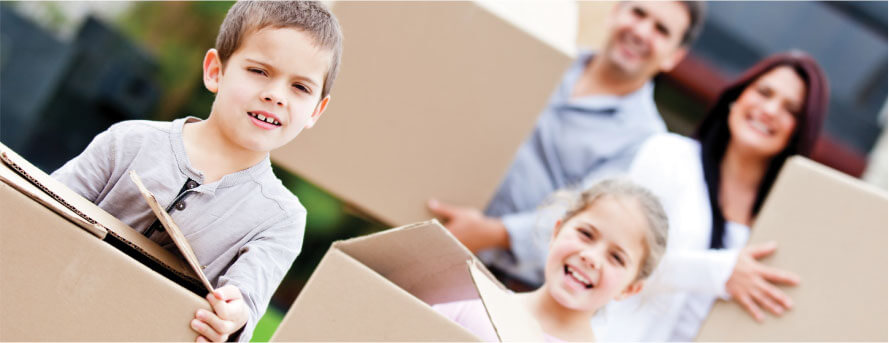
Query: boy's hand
[[471, 227], [229, 314]]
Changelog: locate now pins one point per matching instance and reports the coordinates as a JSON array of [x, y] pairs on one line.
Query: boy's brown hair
[[311, 17]]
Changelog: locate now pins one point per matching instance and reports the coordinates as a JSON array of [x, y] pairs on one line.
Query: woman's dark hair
[[714, 134]]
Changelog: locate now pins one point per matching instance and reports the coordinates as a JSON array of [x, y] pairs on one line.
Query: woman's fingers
[[776, 294], [775, 275], [750, 306], [766, 301]]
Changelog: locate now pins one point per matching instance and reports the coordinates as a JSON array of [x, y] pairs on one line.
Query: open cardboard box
[[76, 273], [380, 287], [436, 88], [831, 230]]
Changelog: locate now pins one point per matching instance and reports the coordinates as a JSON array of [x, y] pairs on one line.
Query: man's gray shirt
[[246, 228], [575, 142]]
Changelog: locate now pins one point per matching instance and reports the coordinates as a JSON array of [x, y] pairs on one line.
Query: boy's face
[[645, 37], [270, 88]]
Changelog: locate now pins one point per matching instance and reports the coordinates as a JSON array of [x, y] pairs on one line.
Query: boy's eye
[[764, 91], [302, 88], [256, 71], [663, 30]]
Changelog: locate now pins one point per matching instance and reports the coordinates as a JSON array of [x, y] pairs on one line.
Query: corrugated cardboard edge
[[107, 222], [172, 230]]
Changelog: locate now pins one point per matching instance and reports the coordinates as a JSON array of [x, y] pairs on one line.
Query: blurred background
[[68, 70]]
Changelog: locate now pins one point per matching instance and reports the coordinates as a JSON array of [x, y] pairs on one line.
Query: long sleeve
[[89, 173], [669, 166], [261, 265]]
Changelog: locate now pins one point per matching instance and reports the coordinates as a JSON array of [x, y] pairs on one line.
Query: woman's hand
[[229, 314], [752, 284], [471, 227]]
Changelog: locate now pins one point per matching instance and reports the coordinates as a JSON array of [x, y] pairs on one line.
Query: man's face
[[645, 37], [270, 88]]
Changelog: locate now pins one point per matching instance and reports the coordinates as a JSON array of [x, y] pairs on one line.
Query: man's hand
[[470, 226], [229, 314], [752, 283]]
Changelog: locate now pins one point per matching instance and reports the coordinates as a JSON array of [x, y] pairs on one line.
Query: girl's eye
[[585, 233], [618, 259]]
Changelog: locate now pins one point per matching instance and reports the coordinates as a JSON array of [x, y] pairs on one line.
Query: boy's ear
[[212, 70], [632, 289], [319, 110]]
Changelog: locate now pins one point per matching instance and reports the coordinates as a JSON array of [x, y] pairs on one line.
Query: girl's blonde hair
[[656, 236]]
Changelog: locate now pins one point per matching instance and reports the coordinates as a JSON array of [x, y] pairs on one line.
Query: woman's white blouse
[[679, 294]]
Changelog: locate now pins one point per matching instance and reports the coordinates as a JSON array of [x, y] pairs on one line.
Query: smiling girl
[[607, 243]]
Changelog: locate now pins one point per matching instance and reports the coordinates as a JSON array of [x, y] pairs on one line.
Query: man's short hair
[[697, 12], [311, 17]]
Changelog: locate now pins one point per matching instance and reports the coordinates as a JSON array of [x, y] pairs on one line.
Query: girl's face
[[595, 256], [763, 118]]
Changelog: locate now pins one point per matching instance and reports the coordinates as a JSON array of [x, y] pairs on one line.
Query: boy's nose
[[276, 100]]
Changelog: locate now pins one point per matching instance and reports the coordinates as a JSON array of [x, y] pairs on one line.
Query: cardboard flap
[[344, 300], [88, 211], [831, 230], [22, 185], [172, 229], [423, 259], [512, 321]]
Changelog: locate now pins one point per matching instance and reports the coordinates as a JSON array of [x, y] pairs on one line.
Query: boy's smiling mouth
[[264, 120], [578, 277]]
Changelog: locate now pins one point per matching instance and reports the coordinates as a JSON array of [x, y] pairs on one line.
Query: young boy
[[272, 70]]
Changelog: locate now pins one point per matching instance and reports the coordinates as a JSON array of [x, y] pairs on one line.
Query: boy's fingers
[[219, 325], [776, 294], [205, 330], [765, 301], [229, 292]]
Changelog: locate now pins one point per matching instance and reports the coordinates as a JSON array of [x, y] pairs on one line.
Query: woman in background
[[712, 188]]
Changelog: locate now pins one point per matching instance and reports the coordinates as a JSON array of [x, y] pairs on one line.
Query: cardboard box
[[379, 288], [831, 230], [445, 91], [63, 278]]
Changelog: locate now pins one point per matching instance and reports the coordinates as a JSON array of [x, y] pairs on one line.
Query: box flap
[[512, 321], [13, 179], [831, 230], [344, 300], [56, 196], [418, 258], [60, 283], [172, 230]]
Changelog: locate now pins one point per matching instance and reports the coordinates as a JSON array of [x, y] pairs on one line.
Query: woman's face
[[763, 118]]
